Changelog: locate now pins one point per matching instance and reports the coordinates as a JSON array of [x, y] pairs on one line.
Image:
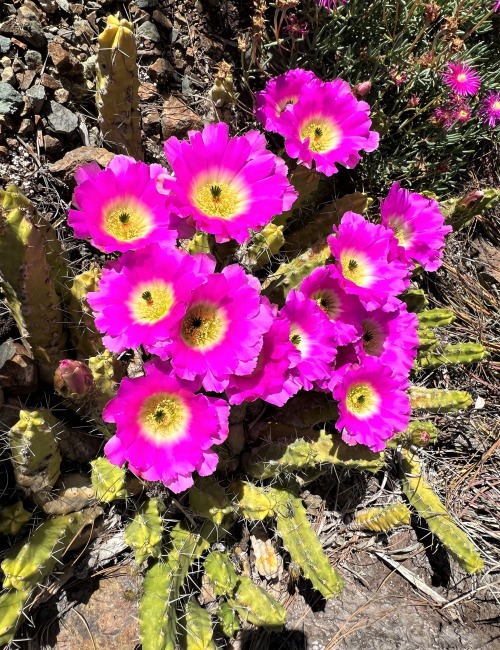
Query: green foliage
[[13, 518], [144, 533], [421, 496], [460, 212], [437, 400], [382, 520]]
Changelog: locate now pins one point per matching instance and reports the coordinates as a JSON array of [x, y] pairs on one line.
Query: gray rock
[[149, 30], [33, 59], [36, 96], [61, 119], [33, 33], [10, 100], [147, 4], [4, 44]]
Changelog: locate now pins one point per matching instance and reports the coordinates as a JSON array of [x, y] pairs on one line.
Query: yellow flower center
[[217, 199], [401, 231], [361, 400], [373, 337], [356, 269], [299, 338], [285, 102], [203, 327], [127, 220], [163, 416], [152, 301], [461, 77], [323, 135], [496, 106], [328, 301]]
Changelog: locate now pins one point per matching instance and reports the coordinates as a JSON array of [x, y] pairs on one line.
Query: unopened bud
[[472, 197], [362, 89], [72, 378]]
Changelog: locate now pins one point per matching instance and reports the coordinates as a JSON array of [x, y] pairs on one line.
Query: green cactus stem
[[107, 372], [35, 455], [117, 95], [12, 603], [427, 339], [108, 481], [457, 354], [382, 520], [13, 518], [460, 212], [144, 533], [306, 182], [303, 544], [85, 338], [273, 458], [253, 502], [431, 318], [208, 499], [28, 564], [199, 632], [421, 496], [253, 604], [264, 245], [162, 584], [436, 400], [416, 300], [228, 619], [31, 286], [419, 433]]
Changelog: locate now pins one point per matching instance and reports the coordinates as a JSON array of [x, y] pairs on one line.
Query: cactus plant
[[457, 354], [427, 339], [13, 518], [84, 336], [144, 533], [253, 502], [273, 458], [117, 95], [430, 318], [264, 245], [12, 604], [252, 603], [382, 520], [437, 400], [28, 245], [207, 499], [199, 632], [419, 433], [427, 504], [459, 212], [108, 480], [35, 455], [228, 619], [415, 300], [303, 544]]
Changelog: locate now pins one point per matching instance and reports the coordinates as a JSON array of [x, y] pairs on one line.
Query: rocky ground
[[399, 594]]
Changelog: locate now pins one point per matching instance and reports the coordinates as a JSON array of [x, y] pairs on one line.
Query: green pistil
[[318, 132], [146, 295], [216, 192], [124, 217], [159, 415], [295, 339], [352, 265]]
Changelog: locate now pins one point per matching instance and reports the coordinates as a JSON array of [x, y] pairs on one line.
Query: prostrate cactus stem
[[448, 355], [253, 502], [430, 318], [84, 336], [28, 564], [35, 455], [32, 287], [12, 603], [264, 245], [253, 604], [436, 400], [381, 520], [207, 499], [117, 96], [162, 584], [427, 339], [273, 458], [199, 632], [228, 619], [418, 433], [13, 518], [108, 480], [415, 300], [107, 372], [303, 544], [460, 212], [421, 496], [144, 533]]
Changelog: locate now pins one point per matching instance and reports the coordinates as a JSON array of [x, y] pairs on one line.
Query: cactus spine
[[382, 520], [419, 433], [144, 533], [28, 245], [83, 333], [415, 299], [108, 480], [320, 447], [437, 400], [207, 499], [253, 502], [13, 518], [252, 603], [421, 496], [303, 544], [448, 355], [199, 630], [117, 94], [265, 244], [35, 455], [162, 584], [430, 318], [12, 603]]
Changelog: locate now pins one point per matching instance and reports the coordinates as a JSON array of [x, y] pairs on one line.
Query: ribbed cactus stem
[[430, 318], [306, 182], [85, 338], [273, 458], [31, 286], [162, 584], [382, 520], [35, 455], [303, 544], [107, 372], [199, 632], [228, 619], [117, 94], [427, 339], [419, 433], [208, 499], [108, 481], [415, 299], [264, 245], [456, 354], [251, 501], [436, 400], [253, 604], [421, 496], [13, 518], [12, 603], [144, 533], [461, 211]]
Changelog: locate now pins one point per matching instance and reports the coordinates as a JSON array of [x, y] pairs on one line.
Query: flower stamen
[[362, 400], [203, 326], [163, 416], [152, 304], [217, 200]]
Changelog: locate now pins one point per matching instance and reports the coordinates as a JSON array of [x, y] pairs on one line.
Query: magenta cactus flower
[[367, 261], [461, 78], [418, 225], [120, 209], [373, 404], [490, 107], [164, 429], [226, 186]]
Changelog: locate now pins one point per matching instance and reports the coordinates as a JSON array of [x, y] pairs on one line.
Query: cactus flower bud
[[472, 197], [72, 378], [362, 89]]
